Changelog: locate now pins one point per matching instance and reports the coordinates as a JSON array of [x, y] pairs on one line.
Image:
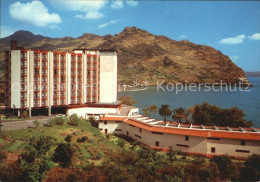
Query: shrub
[[8, 115], [82, 139], [93, 121], [68, 138], [61, 120], [99, 155], [204, 174], [225, 165], [121, 142], [171, 153], [199, 160], [58, 121], [74, 120], [2, 156], [36, 123], [11, 172], [63, 154], [251, 171]]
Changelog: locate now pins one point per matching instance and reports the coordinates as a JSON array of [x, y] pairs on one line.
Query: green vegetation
[[165, 111], [147, 111], [205, 114], [36, 123], [179, 114], [63, 154], [127, 100], [43, 155]]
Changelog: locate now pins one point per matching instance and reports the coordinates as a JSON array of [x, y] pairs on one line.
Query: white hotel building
[[46, 79]]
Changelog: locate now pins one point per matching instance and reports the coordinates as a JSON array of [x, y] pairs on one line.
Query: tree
[[225, 165], [37, 148], [127, 100], [179, 114], [251, 170], [63, 154], [35, 161], [150, 109], [171, 153], [93, 121], [165, 111], [207, 114]]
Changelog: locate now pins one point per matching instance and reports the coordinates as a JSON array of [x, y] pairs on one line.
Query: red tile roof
[[195, 132], [113, 118]]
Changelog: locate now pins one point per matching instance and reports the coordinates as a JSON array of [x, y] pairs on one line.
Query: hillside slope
[[144, 56]]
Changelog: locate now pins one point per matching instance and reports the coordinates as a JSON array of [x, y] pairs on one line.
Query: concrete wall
[[133, 112], [194, 144], [111, 127], [83, 112], [15, 79], [108, 78], [223, 146]]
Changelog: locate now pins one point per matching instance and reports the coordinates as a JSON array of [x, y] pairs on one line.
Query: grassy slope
[[14, 141]]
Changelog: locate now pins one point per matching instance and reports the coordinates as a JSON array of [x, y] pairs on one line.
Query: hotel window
[[140, 130], [62, 79], [44, 56], [56, 57], [187, 138], [36, 72], [157, 143], [213, 150], [55, 72], [242, 142], [105, 122]]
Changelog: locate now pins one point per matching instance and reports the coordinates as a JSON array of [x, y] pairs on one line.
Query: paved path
[[22, 124]]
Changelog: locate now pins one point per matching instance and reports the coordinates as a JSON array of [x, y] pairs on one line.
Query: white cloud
[[117, 4], [131, 3], [234, 58], [34, 13], [90, 9], [6, 31], [255, 36], [106, 24], [90, 15], [233, 40]]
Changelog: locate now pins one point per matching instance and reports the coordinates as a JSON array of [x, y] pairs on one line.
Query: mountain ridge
[[144, 56]]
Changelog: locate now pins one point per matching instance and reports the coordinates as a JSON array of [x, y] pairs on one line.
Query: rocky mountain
[[144, 56]]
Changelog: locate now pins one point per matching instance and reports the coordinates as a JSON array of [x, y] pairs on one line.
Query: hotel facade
[[188, 138], [38, 79]]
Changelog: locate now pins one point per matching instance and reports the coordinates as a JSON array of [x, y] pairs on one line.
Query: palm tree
[[165, 111], [179, 114], [149, 110], [152, 109]]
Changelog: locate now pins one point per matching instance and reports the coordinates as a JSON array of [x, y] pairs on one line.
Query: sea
[[247, 100]]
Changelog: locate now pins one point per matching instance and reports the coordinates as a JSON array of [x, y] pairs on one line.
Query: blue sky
[[233, 27]]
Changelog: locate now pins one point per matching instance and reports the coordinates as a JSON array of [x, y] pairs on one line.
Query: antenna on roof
[[229, 129], [242, 129]]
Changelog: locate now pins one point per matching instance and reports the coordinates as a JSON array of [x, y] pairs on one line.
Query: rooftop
[[190, 129]]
